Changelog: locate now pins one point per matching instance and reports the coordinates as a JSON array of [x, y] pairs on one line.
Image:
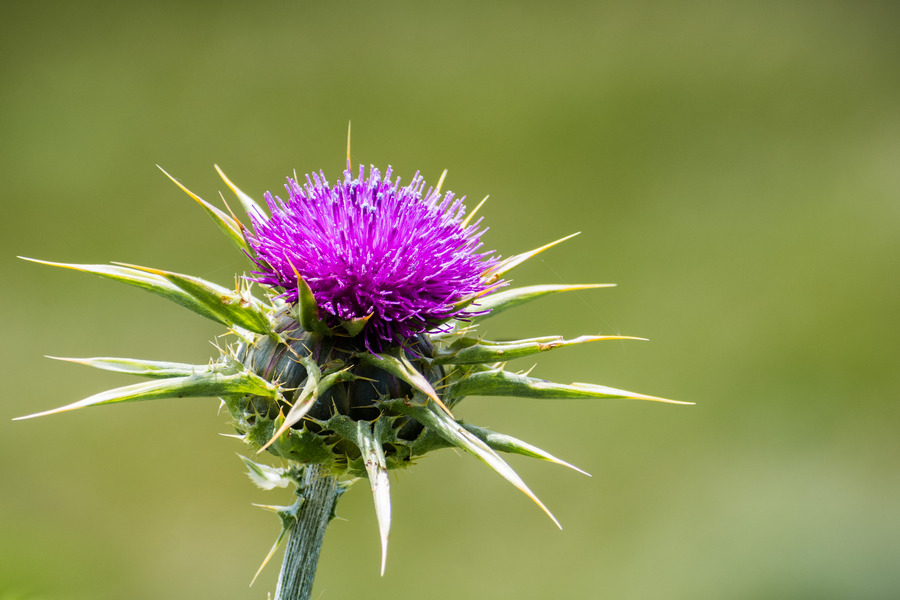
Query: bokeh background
[[733, 166]]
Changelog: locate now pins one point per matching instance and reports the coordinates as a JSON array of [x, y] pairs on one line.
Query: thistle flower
[[366, 338], [369, 249]]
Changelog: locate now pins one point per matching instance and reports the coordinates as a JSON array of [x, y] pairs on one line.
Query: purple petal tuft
[[369, 247]]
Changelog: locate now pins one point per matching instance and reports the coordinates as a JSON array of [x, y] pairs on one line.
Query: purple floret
[[369, 247]]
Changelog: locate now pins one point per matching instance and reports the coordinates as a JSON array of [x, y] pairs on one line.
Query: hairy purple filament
[[369, 248]]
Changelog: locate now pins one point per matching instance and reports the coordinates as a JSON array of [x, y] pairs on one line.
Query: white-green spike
[[470, 351], [288, 517], [202, 385], [503, 300], [272, 550], [511, 445], [440, 183], [353, 327], [306, 310], [454, 433], [266, 477], [398, 365], [471, 215], [235, 307], [498, 382], [230, 226], [376, 467], [493, 274], [212, 301], [312, 390], [143, 368], [303, 400], [251, 207]]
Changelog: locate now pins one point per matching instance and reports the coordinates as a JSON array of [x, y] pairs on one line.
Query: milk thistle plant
[[350, 343]]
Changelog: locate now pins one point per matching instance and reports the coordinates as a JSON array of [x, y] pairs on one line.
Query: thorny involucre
[[366, 337]]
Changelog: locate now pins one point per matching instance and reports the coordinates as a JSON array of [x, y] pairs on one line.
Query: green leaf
[[143, 368], [209, 384], [498, 302], [507, 443], [456, 434], [266, 477], [497, 382], [470, 350], [230, 226]]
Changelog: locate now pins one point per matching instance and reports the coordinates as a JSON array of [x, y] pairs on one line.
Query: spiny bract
[[366, 337]]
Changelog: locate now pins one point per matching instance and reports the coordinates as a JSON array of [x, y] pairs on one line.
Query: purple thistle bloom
[[369, 248]]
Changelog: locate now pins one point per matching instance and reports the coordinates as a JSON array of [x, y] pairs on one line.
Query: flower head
[[370, 249]]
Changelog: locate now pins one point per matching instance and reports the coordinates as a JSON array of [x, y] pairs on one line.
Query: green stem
[[319, 492]]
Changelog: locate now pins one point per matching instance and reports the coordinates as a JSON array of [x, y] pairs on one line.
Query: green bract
[[307, 389]]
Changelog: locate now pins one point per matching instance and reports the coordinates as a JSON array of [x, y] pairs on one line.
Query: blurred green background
[[734, 167]]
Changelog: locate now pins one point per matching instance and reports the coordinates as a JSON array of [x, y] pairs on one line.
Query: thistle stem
[[319, 492]]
